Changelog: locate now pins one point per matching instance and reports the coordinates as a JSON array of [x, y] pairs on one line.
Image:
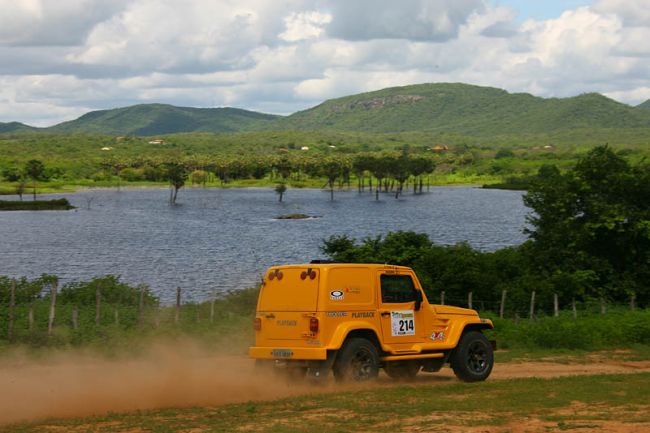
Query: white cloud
[[305, 25], [286, 55]]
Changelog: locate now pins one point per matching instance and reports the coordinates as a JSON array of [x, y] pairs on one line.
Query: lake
[[216, 240]]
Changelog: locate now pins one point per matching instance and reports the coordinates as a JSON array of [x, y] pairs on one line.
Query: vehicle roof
[[341, 265]]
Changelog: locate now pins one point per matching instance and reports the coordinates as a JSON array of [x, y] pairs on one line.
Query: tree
[[400, 170], [332, 169], [35, 170], [176, 174], [12, 174], [20, 188], [591, 227], [280, 189], [379, 167]]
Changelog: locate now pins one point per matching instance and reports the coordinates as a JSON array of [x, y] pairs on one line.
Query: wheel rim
[[362, 365], [477, 357]]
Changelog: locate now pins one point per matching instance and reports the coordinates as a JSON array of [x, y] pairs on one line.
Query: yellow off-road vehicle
[[354, 319]]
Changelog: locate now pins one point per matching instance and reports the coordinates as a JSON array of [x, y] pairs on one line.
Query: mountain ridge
[[430, 107], [155, 119]]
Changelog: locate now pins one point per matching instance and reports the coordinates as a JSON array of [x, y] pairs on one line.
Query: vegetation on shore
[[589, 243], [107, 314], [56, 204], [589, 240], [257, 158]]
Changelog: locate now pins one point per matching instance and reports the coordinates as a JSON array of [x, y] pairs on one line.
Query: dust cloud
[[183, 373], [72, 384]]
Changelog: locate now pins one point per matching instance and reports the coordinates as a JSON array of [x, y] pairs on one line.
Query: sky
[[62, 58]]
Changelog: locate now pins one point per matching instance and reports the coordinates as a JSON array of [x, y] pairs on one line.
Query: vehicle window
[[397, 289]]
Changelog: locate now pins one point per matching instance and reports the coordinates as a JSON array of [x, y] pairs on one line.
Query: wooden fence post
[[633, 302], [212, 311], [469, 300], [442, 298], [178, 305], [603, 306], [52, 316], [573, 308], [12, 307], [98, 303], [531, 315], [502, 307], [75, 317], [141, 306], [556, 306]]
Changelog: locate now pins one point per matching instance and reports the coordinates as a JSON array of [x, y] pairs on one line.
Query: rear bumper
[[288, 354]]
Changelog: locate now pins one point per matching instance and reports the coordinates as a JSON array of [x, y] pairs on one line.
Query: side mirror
[[418, 300]]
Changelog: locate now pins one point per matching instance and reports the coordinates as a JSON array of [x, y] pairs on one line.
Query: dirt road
[[67, 385]]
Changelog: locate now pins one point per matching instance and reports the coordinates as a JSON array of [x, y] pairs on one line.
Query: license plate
[[282, 353]]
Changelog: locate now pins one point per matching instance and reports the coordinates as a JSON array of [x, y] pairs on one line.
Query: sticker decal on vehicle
[[336, 295], [438, 336], [402, 323]]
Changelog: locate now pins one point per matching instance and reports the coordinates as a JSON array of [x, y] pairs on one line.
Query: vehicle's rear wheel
[[402, 369], [473, 359], [357, 361]]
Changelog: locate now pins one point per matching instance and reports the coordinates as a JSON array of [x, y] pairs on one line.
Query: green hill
[[430, 108], [466, 109], [155, 119], [15, 127]]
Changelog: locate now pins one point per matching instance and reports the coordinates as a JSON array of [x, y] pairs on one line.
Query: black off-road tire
[[402, 370], [472, 360], [357, 361]]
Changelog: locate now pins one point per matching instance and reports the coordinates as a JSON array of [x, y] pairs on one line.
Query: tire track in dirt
[[72, 384]]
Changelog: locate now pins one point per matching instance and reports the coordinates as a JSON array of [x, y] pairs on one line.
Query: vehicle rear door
[[289, 296]]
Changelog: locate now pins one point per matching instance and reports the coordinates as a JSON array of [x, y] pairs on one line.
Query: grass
[[562, 403], [636, 352], [619, 328]]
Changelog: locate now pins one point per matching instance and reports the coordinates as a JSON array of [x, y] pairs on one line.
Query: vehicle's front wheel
[[357, 361], [473, 359]]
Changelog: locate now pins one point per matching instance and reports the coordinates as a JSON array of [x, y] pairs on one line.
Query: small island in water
[[296, 216], [57, 204]]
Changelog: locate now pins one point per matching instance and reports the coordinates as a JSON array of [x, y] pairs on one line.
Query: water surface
[[222, 239]]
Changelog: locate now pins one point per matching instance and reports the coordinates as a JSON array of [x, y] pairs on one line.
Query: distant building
[[304, 148], [107, 148], [157, 141]]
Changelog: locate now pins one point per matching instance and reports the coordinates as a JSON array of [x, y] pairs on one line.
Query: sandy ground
[[77, 384]]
